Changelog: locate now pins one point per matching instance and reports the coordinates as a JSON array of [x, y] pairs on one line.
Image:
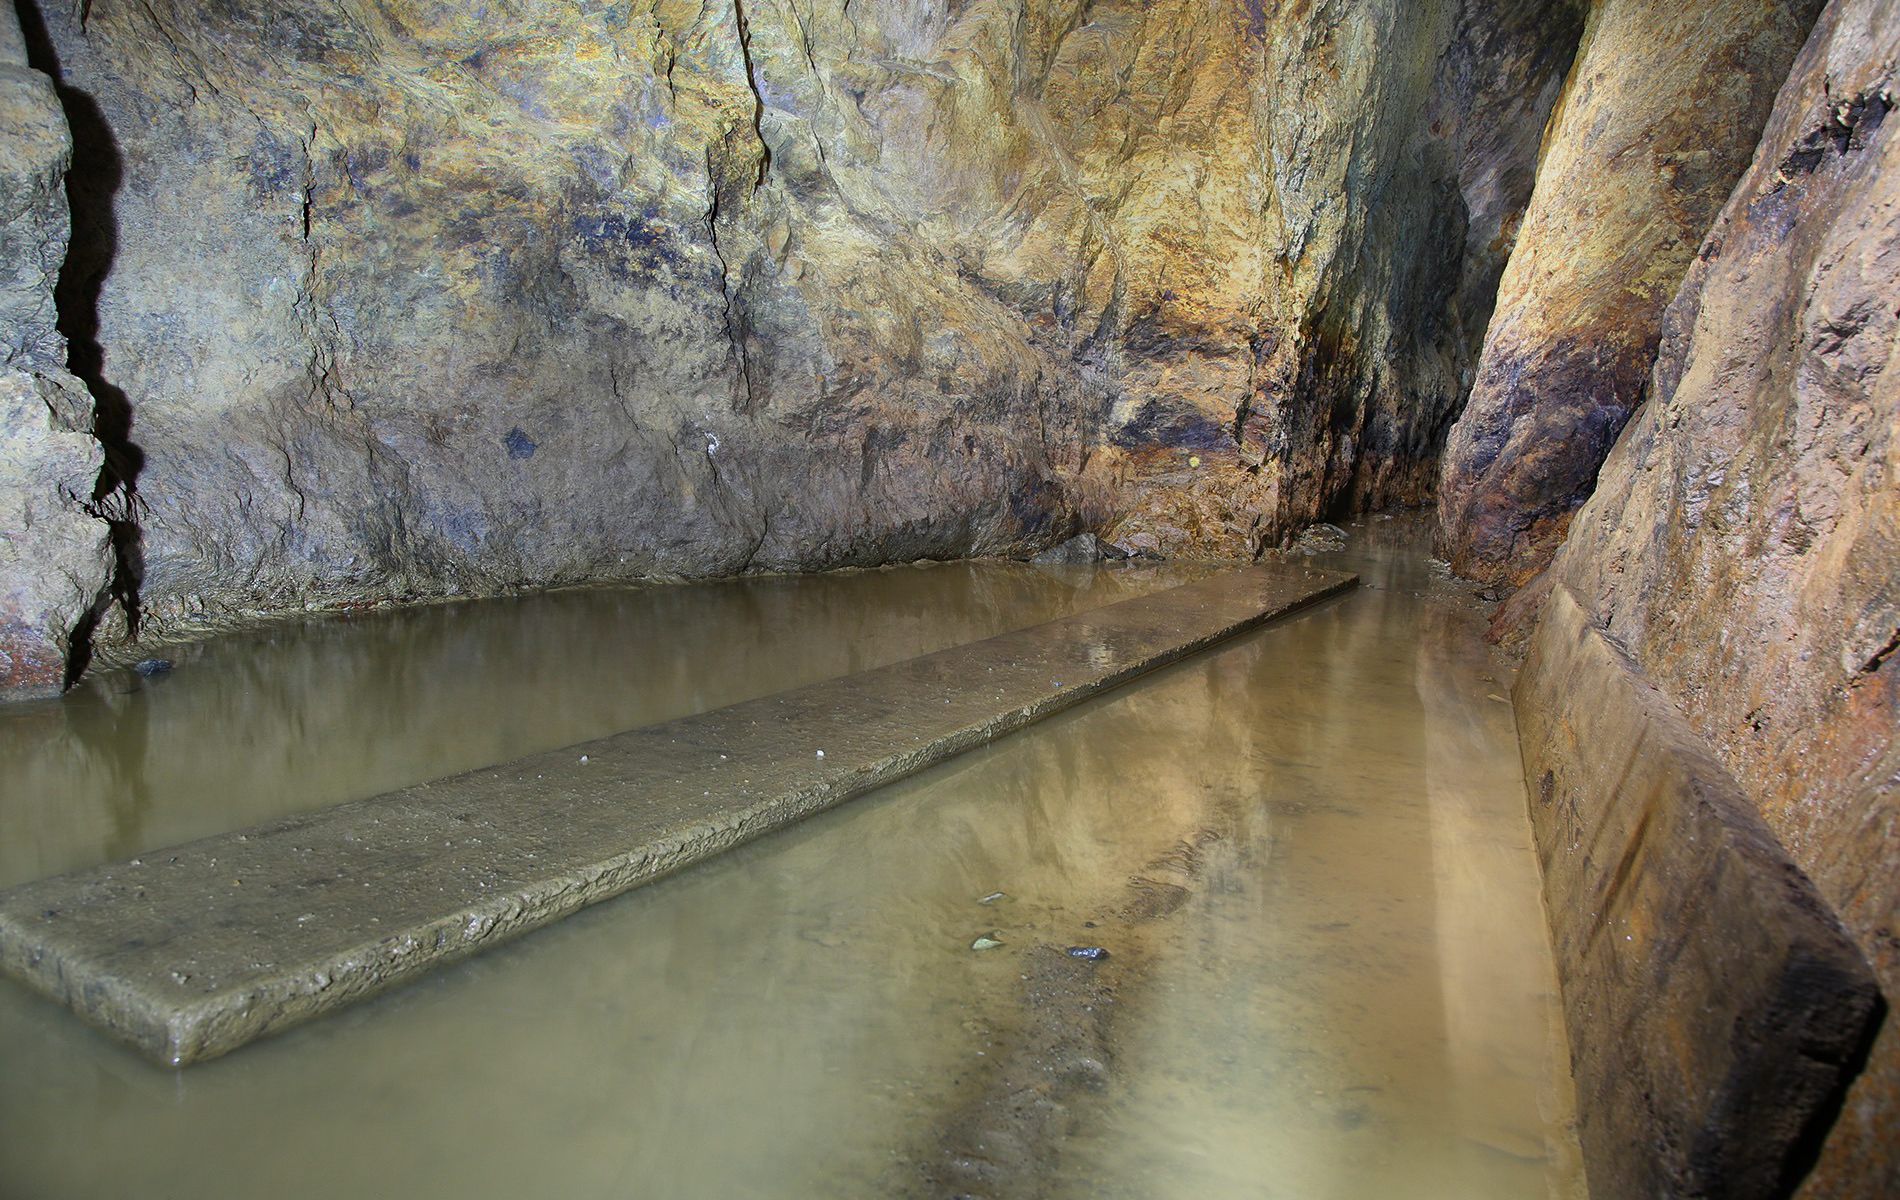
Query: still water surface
[[1350, 996]]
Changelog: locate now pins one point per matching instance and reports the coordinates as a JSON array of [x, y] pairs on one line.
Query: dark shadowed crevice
[[758, 98], [1805, 1154], [91, 183]]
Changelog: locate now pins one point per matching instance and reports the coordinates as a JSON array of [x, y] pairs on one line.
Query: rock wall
[[408, 299], [1744, 541], [55, 556], [1657, 121], [1717, 1009]]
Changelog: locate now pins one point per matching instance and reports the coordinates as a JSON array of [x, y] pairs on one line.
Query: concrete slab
[[191, 952], [1716, 1009]]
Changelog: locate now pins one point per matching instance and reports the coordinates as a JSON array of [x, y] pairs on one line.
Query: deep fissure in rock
[[92, 181]]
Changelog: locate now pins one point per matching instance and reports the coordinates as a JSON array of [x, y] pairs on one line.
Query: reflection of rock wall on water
[[405, 302]]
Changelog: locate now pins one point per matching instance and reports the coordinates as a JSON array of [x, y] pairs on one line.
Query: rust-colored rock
[[406, 300], [1658, 119], [1716, 1009], [1744, 541]]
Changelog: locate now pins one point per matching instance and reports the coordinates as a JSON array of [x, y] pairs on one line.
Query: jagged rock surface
[[55, 558], [1657, 121], [410, 300], [1744, 539]]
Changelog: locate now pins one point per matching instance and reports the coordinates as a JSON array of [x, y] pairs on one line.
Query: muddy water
[[298, 717], [1305, 854]]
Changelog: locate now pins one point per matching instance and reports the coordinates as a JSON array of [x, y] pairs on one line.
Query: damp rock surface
[[1658, 119], [1718, 1011], [54, 555], [1743, 537], [409, 302]]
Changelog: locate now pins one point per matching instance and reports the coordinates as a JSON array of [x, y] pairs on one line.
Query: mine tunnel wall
[[1659, 117], [56, 554], [1742, 542], [379, 302]]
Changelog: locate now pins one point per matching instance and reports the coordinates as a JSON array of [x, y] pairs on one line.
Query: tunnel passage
[[359, 306]]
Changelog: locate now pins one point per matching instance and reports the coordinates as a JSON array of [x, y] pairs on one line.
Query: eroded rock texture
[[1717, 1010], [412, 298], [55, 558], [1657, 121], [1744, 538]]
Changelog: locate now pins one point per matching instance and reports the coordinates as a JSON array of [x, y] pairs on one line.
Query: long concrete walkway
[[191, 952]]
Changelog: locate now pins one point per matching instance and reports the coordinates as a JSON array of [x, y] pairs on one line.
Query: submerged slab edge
[[1716, 1008], [190, 952]]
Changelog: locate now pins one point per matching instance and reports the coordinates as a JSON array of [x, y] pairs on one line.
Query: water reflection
[[306, 715], [1363, 1006], [1353, 998]]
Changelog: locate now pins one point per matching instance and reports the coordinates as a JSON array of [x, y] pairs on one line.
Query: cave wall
[[404, 299], [1657, 121], [55, 554], [1743, 543]]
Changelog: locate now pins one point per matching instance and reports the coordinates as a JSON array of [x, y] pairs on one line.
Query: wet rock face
[[1658, 119], [1743, 541], [409, 300], [54, 556], [1717, 1009]]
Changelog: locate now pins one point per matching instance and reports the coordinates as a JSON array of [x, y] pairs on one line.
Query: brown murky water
[[298, 717], [1305, 852]]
